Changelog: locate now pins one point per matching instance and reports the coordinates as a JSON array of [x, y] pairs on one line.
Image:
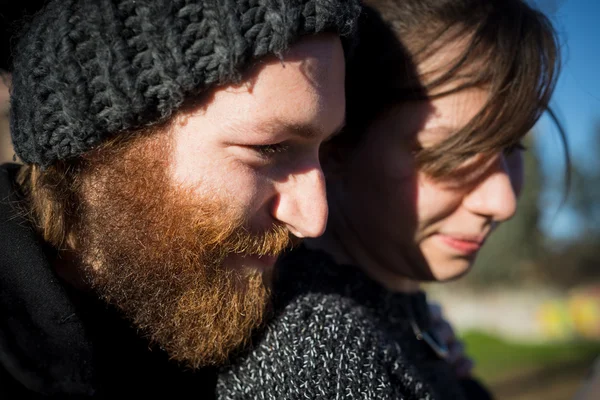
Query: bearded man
[[171, 154]]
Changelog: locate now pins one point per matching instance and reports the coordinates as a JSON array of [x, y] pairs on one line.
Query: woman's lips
[[464, 245]]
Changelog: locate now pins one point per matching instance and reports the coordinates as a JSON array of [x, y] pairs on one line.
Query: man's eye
[[514, 147], [269, 150]]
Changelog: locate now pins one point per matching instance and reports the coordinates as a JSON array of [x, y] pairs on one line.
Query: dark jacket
[[60, 343], [337, 334]]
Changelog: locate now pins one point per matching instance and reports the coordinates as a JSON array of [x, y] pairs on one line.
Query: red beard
[[156, 252]]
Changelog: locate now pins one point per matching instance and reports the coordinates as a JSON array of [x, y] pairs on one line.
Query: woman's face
[[408, 223]]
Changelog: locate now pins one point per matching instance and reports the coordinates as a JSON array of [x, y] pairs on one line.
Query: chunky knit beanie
[[86, 70]]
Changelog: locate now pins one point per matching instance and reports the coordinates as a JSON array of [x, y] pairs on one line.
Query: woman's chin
[[451, 270]]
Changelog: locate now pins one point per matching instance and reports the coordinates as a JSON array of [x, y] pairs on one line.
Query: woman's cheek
[[435, 202]]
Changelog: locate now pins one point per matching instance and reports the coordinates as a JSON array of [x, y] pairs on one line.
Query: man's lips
[[464, 244]]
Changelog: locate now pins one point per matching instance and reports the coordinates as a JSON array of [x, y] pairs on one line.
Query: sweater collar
[[43, 343], [305, 270], [58, 341]]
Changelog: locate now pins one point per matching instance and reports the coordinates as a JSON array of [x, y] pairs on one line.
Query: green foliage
[[519, 253], [497, 359], [576, 260], [584, 194], [509, 255]]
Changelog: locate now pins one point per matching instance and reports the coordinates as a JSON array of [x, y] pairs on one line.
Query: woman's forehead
[[453, 111], [440, 117]]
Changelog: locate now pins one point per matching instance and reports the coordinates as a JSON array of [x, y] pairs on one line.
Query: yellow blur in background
[[575, 316]]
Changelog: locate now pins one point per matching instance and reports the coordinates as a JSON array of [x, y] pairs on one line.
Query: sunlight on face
[[257, 144], [181, 227], [399, 221], [437, 227]]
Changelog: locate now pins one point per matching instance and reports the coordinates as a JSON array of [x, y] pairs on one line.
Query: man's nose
[[302, 203]]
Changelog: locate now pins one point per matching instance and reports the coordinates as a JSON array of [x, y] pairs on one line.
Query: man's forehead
[[309, 130], [311, 59], [293, 94], [315, 56]]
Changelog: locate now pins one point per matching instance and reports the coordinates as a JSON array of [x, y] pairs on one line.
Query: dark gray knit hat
[[86, 70]]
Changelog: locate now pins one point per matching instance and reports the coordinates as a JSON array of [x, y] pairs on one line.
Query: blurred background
[[530, 310]]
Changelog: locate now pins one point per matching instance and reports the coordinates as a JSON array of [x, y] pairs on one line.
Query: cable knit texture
[[337, 334], [85, 70]]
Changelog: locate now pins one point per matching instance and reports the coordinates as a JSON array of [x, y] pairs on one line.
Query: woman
[[440, 94]]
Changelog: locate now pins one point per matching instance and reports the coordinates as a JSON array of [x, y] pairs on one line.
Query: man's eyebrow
[[311, 132]]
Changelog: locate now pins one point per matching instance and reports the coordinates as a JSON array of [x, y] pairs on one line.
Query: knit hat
[[86, 70]]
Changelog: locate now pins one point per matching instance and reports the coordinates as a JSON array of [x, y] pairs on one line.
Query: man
[[171, 152]]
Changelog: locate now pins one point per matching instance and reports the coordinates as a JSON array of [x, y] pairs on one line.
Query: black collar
[[41, 339], [58, 341]]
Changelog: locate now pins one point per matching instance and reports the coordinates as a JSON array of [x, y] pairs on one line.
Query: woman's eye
[[269, 150], [514, 147]]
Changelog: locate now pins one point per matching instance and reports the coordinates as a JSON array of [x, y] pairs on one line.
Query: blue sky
[[576, 100]]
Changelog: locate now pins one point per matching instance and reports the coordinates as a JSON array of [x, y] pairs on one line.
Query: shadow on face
[[370, 167], [257, 143], [388, 214], [211, 198]]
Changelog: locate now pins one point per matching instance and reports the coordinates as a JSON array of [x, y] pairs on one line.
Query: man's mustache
[[272, 242]]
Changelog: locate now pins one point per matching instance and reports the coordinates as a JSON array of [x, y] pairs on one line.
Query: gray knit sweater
[[337, 334]]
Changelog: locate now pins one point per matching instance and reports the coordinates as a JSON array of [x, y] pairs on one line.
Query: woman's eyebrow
[[439, 130]]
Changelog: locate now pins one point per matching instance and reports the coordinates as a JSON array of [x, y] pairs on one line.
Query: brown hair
[[513, 47], [50, 201], [52, 195]]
